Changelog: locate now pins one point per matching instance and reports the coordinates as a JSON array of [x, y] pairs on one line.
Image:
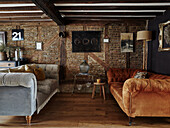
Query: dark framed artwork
[[126, 40], [164, 36], [17, 34], [86, 41], [2, 38]]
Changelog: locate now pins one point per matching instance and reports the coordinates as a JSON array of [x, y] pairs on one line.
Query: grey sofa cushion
[[47, 86], [51, 70]]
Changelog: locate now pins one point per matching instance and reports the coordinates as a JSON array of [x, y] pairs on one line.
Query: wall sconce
[[62, 34], [145, 36]]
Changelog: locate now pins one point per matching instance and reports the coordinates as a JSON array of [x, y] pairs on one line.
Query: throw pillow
[[19, 69], [141, 75], [39, 73], [30, 68]]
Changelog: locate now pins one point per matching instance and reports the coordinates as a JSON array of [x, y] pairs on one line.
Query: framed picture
[[38, 45], [126, 40], [17, 34], [86, 41], [2, 38], [164, 36]]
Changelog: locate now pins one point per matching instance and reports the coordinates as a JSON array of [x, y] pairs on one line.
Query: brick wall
[[110, 55]]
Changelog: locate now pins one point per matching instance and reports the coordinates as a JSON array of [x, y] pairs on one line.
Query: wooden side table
[[86, 77], [101, 88]]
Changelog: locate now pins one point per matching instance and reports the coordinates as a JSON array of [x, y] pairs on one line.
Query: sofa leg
[[130, 121], [28, 119]]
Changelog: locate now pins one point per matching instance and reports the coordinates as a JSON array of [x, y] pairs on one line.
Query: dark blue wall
[[158, 62]]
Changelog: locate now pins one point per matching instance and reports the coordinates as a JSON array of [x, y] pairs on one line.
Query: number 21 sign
[[17, 34]]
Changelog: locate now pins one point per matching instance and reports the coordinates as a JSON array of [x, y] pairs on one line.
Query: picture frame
[[164, 36], [86, 41], [126, 42], [17, 34], [38, 45], [2, 38]]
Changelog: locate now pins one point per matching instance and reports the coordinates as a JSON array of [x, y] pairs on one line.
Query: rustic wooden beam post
[[63, 55], [49, 9]]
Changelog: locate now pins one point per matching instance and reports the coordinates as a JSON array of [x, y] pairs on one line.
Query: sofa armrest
[[18, 94], [19, 79], [135, 89]]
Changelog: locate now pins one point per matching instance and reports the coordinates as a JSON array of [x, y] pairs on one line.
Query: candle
[[98, 80]]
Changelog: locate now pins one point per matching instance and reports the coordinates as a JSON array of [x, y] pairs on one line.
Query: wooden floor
[[79, 110]]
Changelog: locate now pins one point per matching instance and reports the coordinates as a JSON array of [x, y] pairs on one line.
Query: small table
[[86, 77], [101, 88]]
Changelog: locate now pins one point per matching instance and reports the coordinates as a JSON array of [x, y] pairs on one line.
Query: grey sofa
[[21, 94]]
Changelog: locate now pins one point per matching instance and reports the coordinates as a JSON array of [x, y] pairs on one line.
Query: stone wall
[[110, 55]]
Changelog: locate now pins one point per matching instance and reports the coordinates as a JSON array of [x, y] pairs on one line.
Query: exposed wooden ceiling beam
[[113, 4], [50, 10], [114, 8], [18, 8], [83, 11], [108, 1], [26, 20], [21, 18], [105, 19], [110, 13], [29, 16], [21, 14], [111, 16], [15, 1], [80, 10]]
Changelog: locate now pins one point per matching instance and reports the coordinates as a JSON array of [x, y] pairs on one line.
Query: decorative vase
[[84, 67]]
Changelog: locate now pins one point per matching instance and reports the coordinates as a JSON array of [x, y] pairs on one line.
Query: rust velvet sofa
[[140, 97]]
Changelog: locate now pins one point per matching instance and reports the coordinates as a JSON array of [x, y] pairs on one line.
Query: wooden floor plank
[[79, 110]]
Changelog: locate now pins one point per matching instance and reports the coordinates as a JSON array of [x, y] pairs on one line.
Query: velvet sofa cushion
[[47, 85], [116, 90]]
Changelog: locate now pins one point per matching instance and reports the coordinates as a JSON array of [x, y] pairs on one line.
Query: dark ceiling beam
[[105, 19], [114, 8], [109, 16], [19, 8], [22, 18], [15, 1], [26, 20], [108, 1], [112, 13], [49, 9], [21, 14]]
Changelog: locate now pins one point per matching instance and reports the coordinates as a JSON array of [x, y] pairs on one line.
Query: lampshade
[[144, 35]]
